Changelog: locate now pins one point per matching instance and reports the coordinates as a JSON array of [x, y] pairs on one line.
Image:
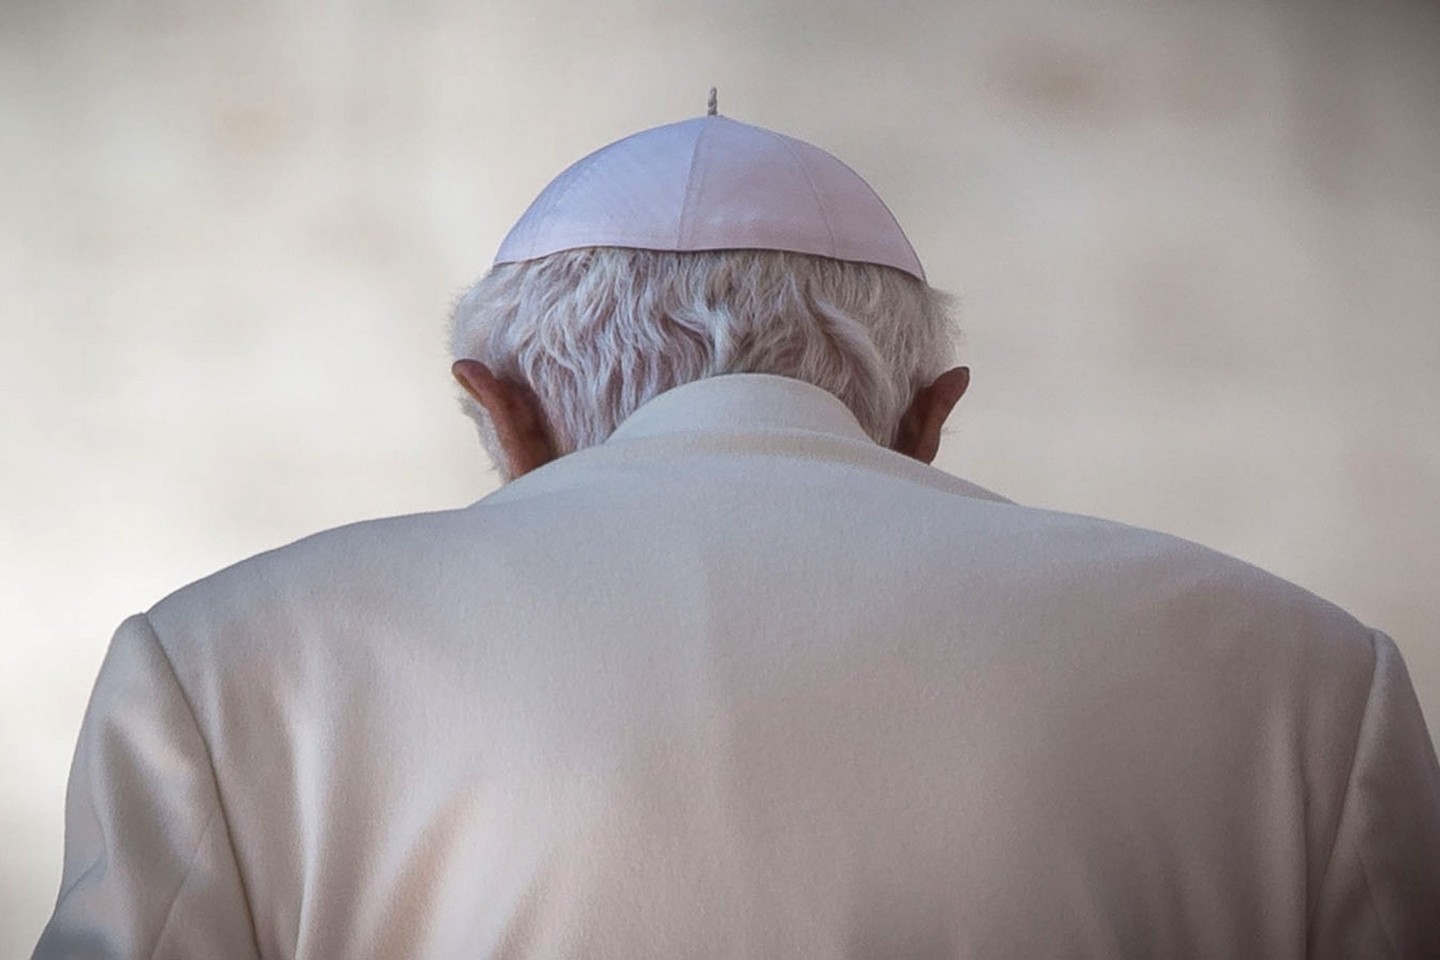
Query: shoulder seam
[[220, 808], [1376, 636], [1349, 783]]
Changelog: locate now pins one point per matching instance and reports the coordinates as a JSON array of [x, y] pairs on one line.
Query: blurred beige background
[[1198, 244]]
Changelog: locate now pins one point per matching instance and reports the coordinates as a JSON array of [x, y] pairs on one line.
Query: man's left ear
[[919, 433]]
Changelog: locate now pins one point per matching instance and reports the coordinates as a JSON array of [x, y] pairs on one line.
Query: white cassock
[[740, 683]]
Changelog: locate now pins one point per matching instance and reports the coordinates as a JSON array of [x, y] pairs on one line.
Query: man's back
[[741, 683]]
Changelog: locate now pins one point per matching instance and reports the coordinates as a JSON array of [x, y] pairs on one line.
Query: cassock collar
[[755, 404], [742, 403]]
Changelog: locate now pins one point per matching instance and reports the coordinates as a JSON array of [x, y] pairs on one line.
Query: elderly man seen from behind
[[726, 669]]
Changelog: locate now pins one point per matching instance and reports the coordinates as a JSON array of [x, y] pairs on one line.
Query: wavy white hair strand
[[598, 331]]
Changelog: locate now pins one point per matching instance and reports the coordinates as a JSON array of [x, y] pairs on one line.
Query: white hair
[[596, 332]]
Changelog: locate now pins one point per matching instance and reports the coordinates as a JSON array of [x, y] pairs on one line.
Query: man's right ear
[[514, 411], [919, 432]]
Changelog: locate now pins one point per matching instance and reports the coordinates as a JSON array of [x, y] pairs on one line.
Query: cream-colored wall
[[1199, 247]]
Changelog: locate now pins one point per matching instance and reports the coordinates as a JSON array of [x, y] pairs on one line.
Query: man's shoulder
[[1192, 590], [348, 563], [1203, 565]]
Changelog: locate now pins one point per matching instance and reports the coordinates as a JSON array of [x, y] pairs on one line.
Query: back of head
[[700, 248], [595, 332]]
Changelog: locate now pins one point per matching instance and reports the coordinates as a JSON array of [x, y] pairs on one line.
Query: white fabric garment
[[740, 683]]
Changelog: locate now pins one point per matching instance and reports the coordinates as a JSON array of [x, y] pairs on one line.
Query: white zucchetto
[[712, 183]]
